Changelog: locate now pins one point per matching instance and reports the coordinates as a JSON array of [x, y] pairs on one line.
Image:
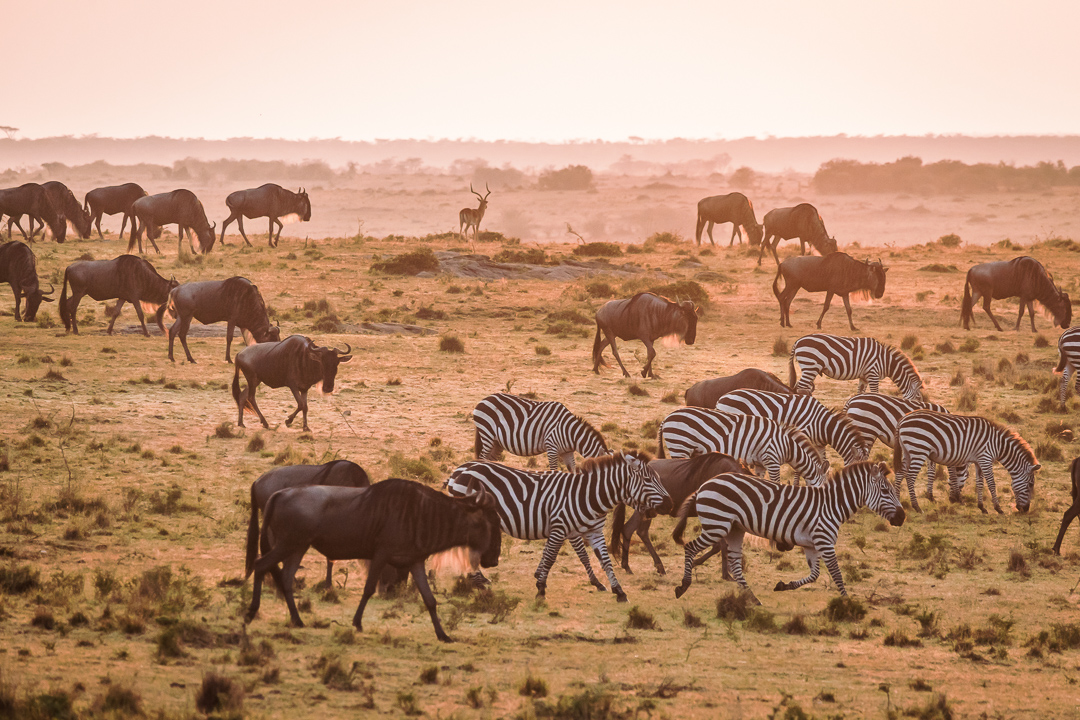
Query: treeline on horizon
[[911, 175]]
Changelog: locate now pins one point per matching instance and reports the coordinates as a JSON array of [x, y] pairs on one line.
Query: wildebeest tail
[[236, 387], [64, 314], [618, 522], [252, 536], [684, 512], [776, 284], [700, 226], [597, 349], [966, 314]]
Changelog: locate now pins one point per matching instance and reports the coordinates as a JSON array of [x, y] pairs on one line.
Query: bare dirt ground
[[123, 511]]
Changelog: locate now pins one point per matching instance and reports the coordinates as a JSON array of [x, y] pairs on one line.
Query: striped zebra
[[1069, 349], [955, 440], [821, 425], [848, 358], [528, 427], [558, 505], [758, 442], [733, 504]]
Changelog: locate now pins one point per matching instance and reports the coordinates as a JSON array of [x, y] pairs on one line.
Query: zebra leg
[[773, 469], [719, 548], [692, 548], [988, 476], [958, 477], [812, 557], [931, 473], [596, 539], [568, 460], [734, 542], [551, 553], [553, 458], [1065, 383], [583, 555], [912, 465], [828, 554]]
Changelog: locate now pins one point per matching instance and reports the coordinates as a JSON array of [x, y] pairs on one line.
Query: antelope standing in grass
[[470, 218]]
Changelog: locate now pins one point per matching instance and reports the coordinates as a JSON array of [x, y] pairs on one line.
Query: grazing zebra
[[1069, 349], [527, 427], [821, 425], [959, 440], [848, 358], [734, 504], [757, 441], [557, 505]]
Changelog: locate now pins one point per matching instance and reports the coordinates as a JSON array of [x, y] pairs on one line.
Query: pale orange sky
[[539, 70]]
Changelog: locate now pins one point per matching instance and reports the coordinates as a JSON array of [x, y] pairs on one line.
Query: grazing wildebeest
[[235, 300], [64, 203], [295, 362], [835, 274], [645, 317], [126, 278], [180, 207], [1074, 510], [30, 199], [18, 268], [470, 218], [802, 221], [734, 208], [707, 392], [112, 200], [1023, 277], [396, 523], [267, 200], [339, 473]]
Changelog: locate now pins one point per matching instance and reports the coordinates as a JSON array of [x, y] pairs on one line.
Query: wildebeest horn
[[50, 291], [346, 352]]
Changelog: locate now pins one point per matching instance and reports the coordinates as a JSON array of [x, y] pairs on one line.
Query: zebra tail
[[478, 446], [618, 522], [252, 537], [1060, 366], [660, 447], [898, 457], [966, 314], [684, 512]]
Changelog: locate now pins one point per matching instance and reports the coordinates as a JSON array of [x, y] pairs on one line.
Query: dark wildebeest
[[127, 279], [802, 221], [269, 200], [395, 523], [31, 200], [339, 473], [18, 268], [471, 217], [734, 208], [295, 362], [112, 200], [645, 317], [64, 203], [707, 392], [1074, 510], [236, 301], [180, 207], [835, 274], [1022, 277]]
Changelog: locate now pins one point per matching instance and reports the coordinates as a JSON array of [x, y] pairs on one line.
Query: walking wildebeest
[[835, 274], [645, 317], [112, 200], [30, 199], [1023, 277], [734, 208], [707, 392], [295, 362], [18, 268], [470, 218], [235, 300], [396, 523], [802, 221], [1073, 510], [267, 200], [64, 203], [339, 473], [126, 278], [180, 207]]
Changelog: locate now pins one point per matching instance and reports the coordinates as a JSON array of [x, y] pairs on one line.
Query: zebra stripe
[[527, 427], [821, 425], [1069, 363], [757, 441], [558, 505], [956, 440], [850, 358], [733, 504]]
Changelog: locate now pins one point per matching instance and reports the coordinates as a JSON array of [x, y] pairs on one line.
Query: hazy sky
[[538, 70]]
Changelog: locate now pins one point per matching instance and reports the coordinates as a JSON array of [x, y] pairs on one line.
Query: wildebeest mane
[[597, 463], [21, 265], [1041, 284], [138, 271], [249, 309]]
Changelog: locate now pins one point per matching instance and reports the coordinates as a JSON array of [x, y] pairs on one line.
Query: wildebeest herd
[[711, 452]]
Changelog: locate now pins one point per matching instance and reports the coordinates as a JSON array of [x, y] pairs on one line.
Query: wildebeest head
[[484, 526], [687, 321], [273, 334], [830, 246], [1064, 318], [303, 205], [754, 234], [877, 277], [328, 359], [34, 298], [207, 236]]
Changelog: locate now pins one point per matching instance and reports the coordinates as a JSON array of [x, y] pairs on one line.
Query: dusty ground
[[114, 470]]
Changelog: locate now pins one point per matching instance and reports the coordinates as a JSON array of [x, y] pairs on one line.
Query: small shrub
[[909, 342], [898, 638], [780, 348], [429, 313], [419, 468], [637, 391], [735, 605], [970, 345], [46, 320], [533, 687], [845, 609], [952, 240], [1041, 341], [683, 290], [17, 580], [226, 431], [598, 249], [256, 443], [410, 263], [118, 701], [221, 695], [945, 348], [639, 619], [542, 350], [691, 620], [1048, 450], [54, 375], [451, 344], [672, 398], [528, 256], [968, 399], [958, 379], [599, 289], [1018, 563], [796, 626], [430, 675], [571, 177]]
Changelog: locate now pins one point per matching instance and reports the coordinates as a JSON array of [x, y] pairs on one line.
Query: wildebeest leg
[[18, 302], [281, 227], [289, 566], [735, 231], [802, 246], [643, 533], [1071, 514], [651, 353], [1031, 313], [610, 337], [583, 555], [228, 340], [115, 313], [375, 569], [764, 244], [184, 323], [420, 578], [138, 311], [847, 306], [152, 234], [301, 406], [248, 398], [240, 225], [986, 309], [825, 308], [232, 216], [97, 220]]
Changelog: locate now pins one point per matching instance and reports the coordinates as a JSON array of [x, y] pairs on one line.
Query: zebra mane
[[1011, 435], [592, 429], [900, 357], [852, 469], [598, 463], [801, 438]]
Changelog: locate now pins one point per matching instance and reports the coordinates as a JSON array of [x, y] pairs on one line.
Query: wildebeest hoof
[[625, 374], [446, 638], [660, 570], [289, 422]]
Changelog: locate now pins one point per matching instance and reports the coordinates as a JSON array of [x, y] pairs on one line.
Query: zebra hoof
[[915, 507], [781, 586], [680, 591], [599, 586], [983, 510], [999, 510], [620, 597]]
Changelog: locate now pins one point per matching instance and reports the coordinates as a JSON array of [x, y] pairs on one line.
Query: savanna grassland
[[124, 489]]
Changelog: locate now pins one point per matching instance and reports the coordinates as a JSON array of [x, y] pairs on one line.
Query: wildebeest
[[235, 300], [180, 207], [835, 274], [802, 221], [645, 317], [734, 208], [30, 199], [707, 392], [126, 278], [64, 203], [470, 218], [112, 200], [396, 523], [1073, 510], [1023, 277], [269, 200], [339, 473], [295, 362], [18, 268]]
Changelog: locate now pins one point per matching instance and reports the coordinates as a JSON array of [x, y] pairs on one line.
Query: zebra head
[[643, 488], [877, 492], [807, 460], [1023, 483]]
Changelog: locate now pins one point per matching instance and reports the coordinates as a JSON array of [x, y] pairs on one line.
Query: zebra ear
[[1037, 467], [884, 468]]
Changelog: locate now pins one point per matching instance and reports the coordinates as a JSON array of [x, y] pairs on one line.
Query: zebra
[[848, 358], [956, 440], [821, 425], [528, 427], [733, 504], [559, 505], [1069, 349], [757, 441]]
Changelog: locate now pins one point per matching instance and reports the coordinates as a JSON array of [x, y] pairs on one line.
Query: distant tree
[[9, 131], [743, 178], [574, 177]]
